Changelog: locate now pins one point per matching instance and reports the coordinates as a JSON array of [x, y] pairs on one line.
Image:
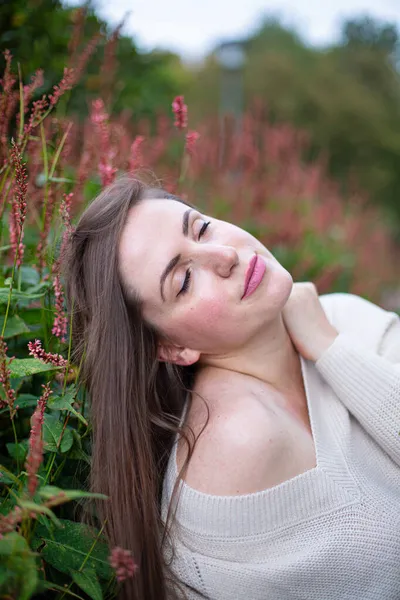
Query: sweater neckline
[[313, 492]]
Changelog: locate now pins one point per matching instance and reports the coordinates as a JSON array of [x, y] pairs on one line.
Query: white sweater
[[333, 532]]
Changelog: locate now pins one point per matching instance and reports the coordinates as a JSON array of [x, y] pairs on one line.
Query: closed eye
[[185, 285]]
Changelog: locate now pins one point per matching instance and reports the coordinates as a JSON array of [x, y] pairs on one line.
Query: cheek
[[207, 315]]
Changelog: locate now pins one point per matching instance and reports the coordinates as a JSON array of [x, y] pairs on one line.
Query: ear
[[177, 354]]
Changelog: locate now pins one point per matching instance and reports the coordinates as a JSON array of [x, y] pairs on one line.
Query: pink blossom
[[10, 521], [37, 113], [99, 118], [179, 109], [5, 378], [36, 350], [35, 455], [191, 139], [41, 247], [60, 321], [66, 83], [135, 160], [8, 100], [65, 210], [121, 560]]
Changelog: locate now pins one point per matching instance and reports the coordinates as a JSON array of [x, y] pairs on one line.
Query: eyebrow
[[173, 262]]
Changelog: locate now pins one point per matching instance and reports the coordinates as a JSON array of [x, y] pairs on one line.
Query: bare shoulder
[[241, 451]]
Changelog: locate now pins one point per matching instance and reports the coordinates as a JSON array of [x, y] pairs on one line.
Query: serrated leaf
[[66, 548], [24, 367], [52, 430], [88, 582], [14, 326]]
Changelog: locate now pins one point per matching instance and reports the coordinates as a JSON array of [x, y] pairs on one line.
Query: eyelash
[[188, 272]]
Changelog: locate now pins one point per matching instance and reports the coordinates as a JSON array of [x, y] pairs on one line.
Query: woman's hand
[[306, 322]]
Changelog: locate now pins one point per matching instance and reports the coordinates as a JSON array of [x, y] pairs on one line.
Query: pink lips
[[254, 274]]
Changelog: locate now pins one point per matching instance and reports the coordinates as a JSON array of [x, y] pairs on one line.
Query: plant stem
[[11, 283]]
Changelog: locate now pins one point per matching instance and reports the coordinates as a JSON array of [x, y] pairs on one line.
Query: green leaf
[[66, 548], [23, 401], [52, 429], [40, 509], [24, 367], [51, 490], [19, 296], [19, 565], [14, 326], [88, 582], [76, 451], [18, 451], [29, 276], [65, 403], [49, 585], [7, 476]]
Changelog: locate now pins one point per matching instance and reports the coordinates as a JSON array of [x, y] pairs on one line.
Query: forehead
[[148, 241]]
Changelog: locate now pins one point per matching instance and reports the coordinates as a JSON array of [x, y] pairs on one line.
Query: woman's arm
[[368, 382]]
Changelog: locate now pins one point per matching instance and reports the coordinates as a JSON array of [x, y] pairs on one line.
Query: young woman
[[244, 428]]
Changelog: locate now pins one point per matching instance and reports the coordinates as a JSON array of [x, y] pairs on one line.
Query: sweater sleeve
[[368, 383]]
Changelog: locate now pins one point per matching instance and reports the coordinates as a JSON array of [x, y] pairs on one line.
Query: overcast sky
[[193, 27]]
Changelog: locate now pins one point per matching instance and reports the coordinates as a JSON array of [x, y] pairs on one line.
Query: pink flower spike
[[60, 319], [191, 139], [135, 160], [180, 111], [122, 562], [36, 350], [35, 455], [66, 83]]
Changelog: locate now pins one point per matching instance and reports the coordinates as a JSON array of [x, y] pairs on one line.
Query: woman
[[191, 331]]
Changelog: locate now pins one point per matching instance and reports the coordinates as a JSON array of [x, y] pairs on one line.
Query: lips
[[254, 274]]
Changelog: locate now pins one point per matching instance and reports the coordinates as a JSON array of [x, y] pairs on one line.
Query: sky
[[193, 27]]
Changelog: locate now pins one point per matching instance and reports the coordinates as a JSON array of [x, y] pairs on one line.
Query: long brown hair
[[135, 400]]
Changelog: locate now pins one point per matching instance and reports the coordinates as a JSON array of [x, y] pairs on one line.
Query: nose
[[220, 258]]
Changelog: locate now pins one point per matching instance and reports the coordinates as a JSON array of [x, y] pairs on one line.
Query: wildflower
[[21, 182], [35, 455], [180, 112], [65, 210], [121, 560], [36, 82], [191, 139], [99, 118], [37, 113], [5, 378], [8, 100], [135, 160], [85, 55], [48, 216], [66, 83], [10, 521], [36, 350], [18, 205], [60, 320]]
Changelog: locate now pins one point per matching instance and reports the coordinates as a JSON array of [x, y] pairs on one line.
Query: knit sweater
[[332, 532]]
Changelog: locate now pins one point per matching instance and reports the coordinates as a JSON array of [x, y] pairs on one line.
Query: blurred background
[[297, 105]]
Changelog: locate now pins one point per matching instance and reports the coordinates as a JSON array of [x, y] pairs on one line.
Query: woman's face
[[189, 270]]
